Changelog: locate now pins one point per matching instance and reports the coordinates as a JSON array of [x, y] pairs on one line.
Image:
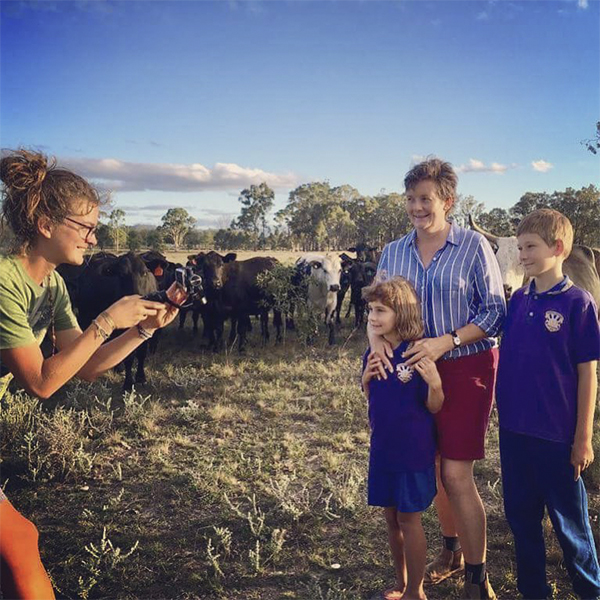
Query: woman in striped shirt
[[457, 278]]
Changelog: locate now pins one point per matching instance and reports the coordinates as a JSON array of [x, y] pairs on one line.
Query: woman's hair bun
[[22, 170]]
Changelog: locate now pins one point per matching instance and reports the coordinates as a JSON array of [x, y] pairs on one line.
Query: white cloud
[[483, 16], [478, 166], [118, 175], [541, 166], [415, 159], [582, 4]]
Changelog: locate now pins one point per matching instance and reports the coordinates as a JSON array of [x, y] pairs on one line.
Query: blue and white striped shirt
[[461, 285]]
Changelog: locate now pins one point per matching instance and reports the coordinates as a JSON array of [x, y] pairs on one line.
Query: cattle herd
[[230, 289]]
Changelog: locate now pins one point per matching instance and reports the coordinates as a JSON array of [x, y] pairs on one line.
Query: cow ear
[[192, 258], [353, 249], [345, 257], [230, 257]]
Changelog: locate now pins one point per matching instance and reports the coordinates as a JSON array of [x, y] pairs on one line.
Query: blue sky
[[185, 103]]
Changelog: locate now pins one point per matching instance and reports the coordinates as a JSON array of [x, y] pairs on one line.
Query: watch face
[[456, 340]]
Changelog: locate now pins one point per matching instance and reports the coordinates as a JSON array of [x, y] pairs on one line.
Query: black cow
[[199, 307], [164, 273], [347, 262], [72, 273], [162, 268], [365, 253], [361, 275], [232, 291], [100, 282]]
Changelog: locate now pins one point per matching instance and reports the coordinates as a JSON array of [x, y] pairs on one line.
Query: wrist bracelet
[[144, 333], [108, 319], [100, 330]]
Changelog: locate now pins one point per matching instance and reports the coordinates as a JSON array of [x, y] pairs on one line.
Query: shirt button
[[435, 258], [531, 314], [535, 297]]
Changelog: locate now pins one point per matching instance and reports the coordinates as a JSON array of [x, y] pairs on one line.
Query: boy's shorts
[[468, 383]]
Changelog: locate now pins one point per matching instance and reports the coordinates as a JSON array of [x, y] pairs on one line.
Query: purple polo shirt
[[545, 337], [402, 429]]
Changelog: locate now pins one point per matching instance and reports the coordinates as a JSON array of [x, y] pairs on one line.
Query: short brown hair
[[436, 170], [35, 188], [399, 295], [551, 226]]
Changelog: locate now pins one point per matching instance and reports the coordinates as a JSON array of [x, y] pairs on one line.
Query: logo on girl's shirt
[[553, 320], [404, 372]]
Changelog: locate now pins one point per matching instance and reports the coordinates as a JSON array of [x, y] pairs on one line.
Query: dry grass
[[236, 476]]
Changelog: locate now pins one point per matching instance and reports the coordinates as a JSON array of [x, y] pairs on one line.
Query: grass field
[[226, 476]]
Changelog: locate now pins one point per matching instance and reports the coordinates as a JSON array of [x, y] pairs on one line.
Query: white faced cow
[[324, 272], [580, 266]]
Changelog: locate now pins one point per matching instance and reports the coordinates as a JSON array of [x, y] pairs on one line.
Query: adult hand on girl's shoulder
[[380, 346], [428, 371], [371, 371], [432, 348]]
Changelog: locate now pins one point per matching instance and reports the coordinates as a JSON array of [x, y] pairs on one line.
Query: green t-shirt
[[26, 308]]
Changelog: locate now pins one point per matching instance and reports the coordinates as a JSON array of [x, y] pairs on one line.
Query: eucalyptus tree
[[257, 201], [176, 224]]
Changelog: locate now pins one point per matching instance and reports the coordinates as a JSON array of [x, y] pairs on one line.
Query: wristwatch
[[455, 339]]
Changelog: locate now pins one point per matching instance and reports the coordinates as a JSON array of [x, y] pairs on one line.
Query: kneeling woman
[[53, 214]]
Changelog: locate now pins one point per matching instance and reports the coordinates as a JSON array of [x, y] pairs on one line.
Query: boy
[[546, 395]]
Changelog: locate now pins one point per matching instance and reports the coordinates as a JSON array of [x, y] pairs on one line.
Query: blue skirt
[[407, 491]]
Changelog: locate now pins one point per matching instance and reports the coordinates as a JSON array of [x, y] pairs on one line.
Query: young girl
[[53, 215], [402, 457]]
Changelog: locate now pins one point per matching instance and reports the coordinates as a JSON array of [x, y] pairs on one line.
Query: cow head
[[347, 262], [130, 270], [362, 274], [364, 252], [507, 255], [326, 270], [211, 265]]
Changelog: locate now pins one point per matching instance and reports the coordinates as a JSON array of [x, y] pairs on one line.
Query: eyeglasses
[[91, 229]]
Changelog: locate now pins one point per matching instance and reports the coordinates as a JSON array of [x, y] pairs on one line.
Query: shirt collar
[[559, 288], [454, 236]]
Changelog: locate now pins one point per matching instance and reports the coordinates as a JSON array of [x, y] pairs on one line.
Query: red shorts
[[468, 383]]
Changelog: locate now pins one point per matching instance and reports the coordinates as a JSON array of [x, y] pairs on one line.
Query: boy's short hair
[[551, 226], [399, 295], [436, 170]]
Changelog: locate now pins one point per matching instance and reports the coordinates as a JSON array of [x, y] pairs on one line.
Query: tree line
[[321, 217]]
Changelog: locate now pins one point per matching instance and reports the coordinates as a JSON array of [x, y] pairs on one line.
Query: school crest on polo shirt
[[553, 320], [404, 372]]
